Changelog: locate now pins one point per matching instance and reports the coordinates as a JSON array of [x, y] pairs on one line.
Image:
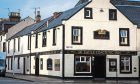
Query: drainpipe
[[63, 51]]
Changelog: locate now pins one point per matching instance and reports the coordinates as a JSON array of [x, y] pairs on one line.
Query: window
[[18, 63], [19, 44], [11, 64], [4, 47], [112, 65], [36, 40], [125, 64], [57, 64], [29, 40], [44, 38], [8, 46], [124, 36], [112, 14], [41, 64], [82, 64], [88, 13], [14, 49], [54, 36], [77, 35], [8, 64], [49, 64]]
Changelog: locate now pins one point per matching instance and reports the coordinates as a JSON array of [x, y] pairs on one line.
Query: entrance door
[[99, 67], [37, 66], [24, 65]]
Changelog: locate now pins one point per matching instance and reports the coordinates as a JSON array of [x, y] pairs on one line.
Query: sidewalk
[[44, 79]]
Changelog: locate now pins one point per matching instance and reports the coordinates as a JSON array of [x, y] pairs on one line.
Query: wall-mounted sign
[[101, 34]]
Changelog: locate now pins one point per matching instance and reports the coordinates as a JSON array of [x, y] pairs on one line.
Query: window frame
[[128, 37], [90, 12], [41, 64], [29, 42], [19, 43], [80, 35], [36, 40], [54, 36], [129, 66], [82, 73], [44, 39], [115, 16]]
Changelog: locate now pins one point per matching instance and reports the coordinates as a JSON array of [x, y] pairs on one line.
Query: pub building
[[94, 39]]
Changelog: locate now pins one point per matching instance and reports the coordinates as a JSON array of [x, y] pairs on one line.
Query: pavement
[[43, 79]]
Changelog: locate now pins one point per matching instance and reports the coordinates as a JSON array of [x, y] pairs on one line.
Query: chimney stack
[[56, 14], [14, 17], [38, 16]]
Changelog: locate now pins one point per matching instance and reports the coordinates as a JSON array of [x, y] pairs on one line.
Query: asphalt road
[[5, 80]]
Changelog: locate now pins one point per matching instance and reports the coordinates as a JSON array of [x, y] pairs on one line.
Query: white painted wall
[[100, 21], [45, 71]]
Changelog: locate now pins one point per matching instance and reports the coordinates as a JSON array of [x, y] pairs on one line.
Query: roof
[[131, 12], [65, 16], [30, 28]]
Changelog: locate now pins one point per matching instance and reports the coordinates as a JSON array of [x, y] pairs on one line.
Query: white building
[[94, 39]]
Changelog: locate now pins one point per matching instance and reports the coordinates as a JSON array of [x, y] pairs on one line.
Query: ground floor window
[[49, 64], [82, 64], [112, 65], [57, 64], [125, 64], [41, 64]]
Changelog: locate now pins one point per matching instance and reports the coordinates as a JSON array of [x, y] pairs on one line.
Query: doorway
[[99, 67], [37, 66], [24, 61]]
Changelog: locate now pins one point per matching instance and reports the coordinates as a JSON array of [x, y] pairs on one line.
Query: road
[[5, 80]]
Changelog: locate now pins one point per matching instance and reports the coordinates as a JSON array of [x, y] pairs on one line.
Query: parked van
[[2, 63]]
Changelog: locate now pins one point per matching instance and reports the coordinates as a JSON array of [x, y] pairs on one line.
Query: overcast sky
[[47, 7]]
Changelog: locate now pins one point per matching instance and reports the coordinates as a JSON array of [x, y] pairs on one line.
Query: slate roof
[[65, 16], [30, 28], [131, 12]]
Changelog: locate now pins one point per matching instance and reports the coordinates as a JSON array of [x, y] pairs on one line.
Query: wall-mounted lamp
[[101, 10], [48, 31], [58, 28]]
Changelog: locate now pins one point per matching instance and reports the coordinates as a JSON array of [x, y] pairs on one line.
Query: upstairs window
[[4, 47], [44, 38], [77, 35], [8, 46], [54, 36], [18, 63], [36, 40], [124, 36], [19, 44], [88, 13], [29, 41], [112, 14], [14, 49]]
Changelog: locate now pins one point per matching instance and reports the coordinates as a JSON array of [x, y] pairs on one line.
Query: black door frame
[[93, 65], [24, 64], [37, 64]]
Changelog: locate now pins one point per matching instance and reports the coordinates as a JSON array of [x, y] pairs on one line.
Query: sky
[[46, 7]]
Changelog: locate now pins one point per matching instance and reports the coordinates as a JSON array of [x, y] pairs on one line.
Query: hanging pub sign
[[101, 34]]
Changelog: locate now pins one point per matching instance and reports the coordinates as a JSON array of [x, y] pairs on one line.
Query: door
[[24, 65], [99, 67], [37, 66]]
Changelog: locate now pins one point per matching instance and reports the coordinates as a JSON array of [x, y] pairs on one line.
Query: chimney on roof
[[14, 17], [56, 14], [38, 16]]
